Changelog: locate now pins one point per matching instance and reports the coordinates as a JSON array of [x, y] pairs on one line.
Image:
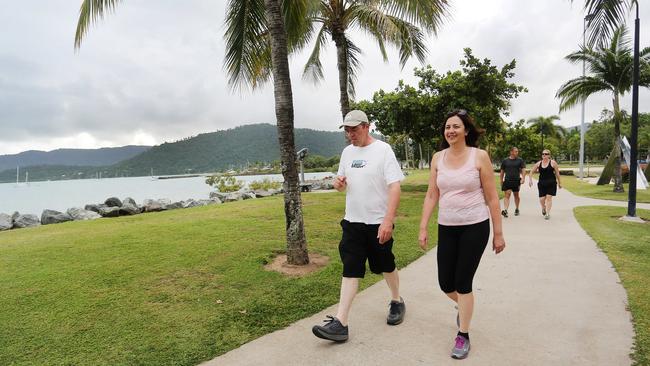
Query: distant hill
[[83, 157], [222, 150], [205, 153]]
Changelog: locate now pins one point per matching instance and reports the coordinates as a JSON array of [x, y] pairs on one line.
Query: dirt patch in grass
[[279, 264]]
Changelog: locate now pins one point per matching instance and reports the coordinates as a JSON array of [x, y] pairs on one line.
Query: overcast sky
[[153, 71]]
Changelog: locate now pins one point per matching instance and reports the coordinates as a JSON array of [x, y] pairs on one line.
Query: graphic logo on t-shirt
[[358, 163]]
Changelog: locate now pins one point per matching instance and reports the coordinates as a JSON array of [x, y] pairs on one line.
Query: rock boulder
[[6, 222], [27, 220], [54, 217]]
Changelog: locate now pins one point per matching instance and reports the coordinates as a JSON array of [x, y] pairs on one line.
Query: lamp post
[[582, 115], [631, 202]]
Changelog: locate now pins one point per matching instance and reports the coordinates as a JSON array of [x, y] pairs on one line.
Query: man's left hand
[[385, 232]]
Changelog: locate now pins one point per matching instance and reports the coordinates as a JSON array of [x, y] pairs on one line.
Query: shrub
[[264, 185], [224, 183]]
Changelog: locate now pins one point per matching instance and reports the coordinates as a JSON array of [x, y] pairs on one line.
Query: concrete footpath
[[551, 298]]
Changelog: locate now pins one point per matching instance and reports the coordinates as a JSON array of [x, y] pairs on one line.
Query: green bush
[[264, 184], [224, 183]]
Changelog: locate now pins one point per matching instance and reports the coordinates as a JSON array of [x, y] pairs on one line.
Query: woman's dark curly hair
[[473, 132]]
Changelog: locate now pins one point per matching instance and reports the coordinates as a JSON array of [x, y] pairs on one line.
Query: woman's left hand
[[498, 244]]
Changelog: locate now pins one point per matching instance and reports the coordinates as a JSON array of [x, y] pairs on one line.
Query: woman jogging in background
[[462, 181], [549, 180]]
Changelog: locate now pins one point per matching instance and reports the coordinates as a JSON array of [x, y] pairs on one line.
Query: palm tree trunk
[[618, 178], [342, 64], [296, 242]]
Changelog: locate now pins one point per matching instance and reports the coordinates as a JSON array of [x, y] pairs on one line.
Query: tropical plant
[[481, 88], [603, 18], [399, 23], [610, 70], [520, 136], [265, 184], [247, 49], [224, 183], [544, 126]]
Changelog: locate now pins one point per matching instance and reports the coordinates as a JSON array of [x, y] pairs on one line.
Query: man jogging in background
[[370, 175], [513, 169]]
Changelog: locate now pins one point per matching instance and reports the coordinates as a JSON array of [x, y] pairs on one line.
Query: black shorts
[[360, 242], [510, 185], [547, 188]]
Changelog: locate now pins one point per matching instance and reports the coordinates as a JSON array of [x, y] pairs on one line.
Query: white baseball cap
[[354, 118]]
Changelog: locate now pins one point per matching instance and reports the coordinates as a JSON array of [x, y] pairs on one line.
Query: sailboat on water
[[18, 183]]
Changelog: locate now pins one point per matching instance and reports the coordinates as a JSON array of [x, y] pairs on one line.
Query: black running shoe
[[504, 213], [396, 311], [516, 212], [333, 330]]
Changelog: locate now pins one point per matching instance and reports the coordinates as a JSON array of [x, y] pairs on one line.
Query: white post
[[582, 115]]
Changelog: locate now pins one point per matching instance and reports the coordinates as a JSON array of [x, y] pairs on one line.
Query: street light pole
[[582, 115], [631, 202]]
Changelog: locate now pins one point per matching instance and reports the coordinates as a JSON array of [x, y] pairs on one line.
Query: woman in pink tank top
[[462, 185]]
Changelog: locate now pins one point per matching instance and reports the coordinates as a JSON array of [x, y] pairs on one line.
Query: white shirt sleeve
[[342, 164], [392, 171]]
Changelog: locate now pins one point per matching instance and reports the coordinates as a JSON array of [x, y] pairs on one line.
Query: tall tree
[[296, 242], [255, 29], [610, 70], [545, 127], [481, 88], [398, 22]]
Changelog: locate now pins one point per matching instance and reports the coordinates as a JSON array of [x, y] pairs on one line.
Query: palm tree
[[397, 23], [295, 231], [610, 70], [393, 22], [273, 15], [545, 126]]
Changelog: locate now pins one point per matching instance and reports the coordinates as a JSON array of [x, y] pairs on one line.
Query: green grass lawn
[[176, 287], [580, 188], [628, 247]]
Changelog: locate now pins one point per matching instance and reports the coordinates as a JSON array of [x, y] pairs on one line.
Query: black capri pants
[[460, 249]]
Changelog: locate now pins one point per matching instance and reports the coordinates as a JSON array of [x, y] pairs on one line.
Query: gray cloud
[[153, 71]]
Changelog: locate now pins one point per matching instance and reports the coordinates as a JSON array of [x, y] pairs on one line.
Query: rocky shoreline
[[114, 207]]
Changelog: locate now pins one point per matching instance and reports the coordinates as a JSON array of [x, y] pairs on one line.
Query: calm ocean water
[[34, 197]]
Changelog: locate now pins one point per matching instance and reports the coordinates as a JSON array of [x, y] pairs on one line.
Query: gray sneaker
[[333, 330], [396, 311], [547, 216], [461, 348]]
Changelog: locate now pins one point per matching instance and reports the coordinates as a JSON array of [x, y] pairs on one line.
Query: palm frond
[[427, 14], [375, 22], [89, 13], [603, 17], [298, 23], [247, 44], [579, 89], [313, 68], [411, 41], [352, 52]]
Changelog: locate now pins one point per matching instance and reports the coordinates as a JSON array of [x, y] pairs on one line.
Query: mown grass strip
[[627, 245], [175, 287], [585, 189]]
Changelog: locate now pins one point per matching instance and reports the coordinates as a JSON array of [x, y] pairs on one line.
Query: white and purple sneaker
[[461, 348]]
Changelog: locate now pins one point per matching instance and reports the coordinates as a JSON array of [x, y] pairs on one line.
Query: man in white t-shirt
[[370, 173]]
